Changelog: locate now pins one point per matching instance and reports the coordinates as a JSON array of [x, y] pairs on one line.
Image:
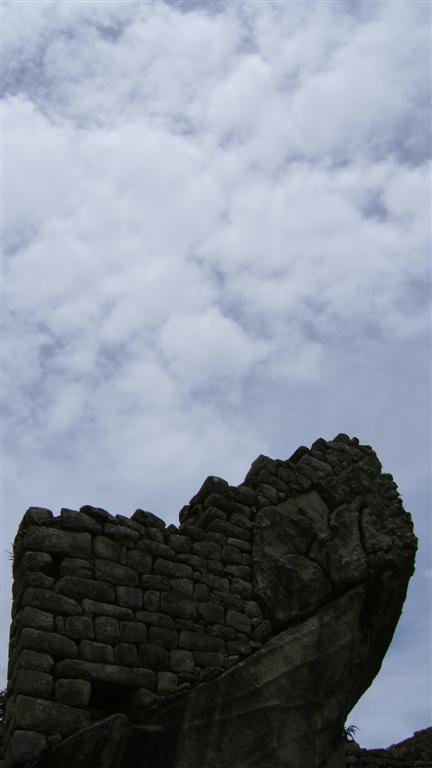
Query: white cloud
[[217, 244]]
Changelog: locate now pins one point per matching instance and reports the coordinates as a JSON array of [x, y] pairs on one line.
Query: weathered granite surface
[[240, 639]]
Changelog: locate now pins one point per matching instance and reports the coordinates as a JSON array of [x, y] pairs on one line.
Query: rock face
[[241, 639]]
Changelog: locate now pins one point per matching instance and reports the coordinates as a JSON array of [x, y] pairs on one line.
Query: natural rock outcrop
[[240, 639]]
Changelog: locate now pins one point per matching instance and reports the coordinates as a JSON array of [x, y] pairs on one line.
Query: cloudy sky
[[216, 244]]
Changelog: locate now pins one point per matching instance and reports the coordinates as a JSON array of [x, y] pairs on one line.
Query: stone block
[[25, 746], [183, 587], [97, 513], [238, 647], [160, 583], [47, 642], [37, 516], [35, 618], [201, 592], [212, 613], [153, 656], [216, 583], [242, 588], [33, 683], [129, 597], [229, 600], [195, 562], [194, 641], [106, 549], [239, 571], [79, 627], [77, 521], [121, 533], [155, 619], [207, 549], [167, 682], [35, 579], [99, 652], [179, 544], [243, 546], [126, 654], [35, 561], [155, 549], [49, 716], [50, 602], [139, 699], [76, 693], [208, 659], [181, 661], [107, 629], [167, 638], [155, 534], [94, 608], [151, 600], [238, 621], [253, 610], [262, 631], [46, 539], [173, 570], [133, 632], [112, 674], [34, 660], [216, 567], [114, 573], [178, 606], [227, 633], [139, 561], [73, 586], [148, 518], [76, 566]]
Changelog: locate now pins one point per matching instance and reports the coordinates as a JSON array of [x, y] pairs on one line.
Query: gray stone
[[174, 570], [48, 716], [35, 561], [148, 518], [179, 544], [75, 566], [126, 654], [175, 605], [181, 661], [153, 656], [34, 683], [25, 746], [183, 587], [155, 619], [133, 632], [107, 629], [127, 677], [121, 533], [207, 549], [33, 617], [76, 693], [106, 549], [151, 600], [139, 561], [167, 638], [50, 602], [79, 627], [129, 597], [208, 659], [167, 682], [47, 642], [85, 588], [239, 621], [56, 541], [211, 612], [98, 652], [114, 573], [94, 608], [155, 549], [161, 583], [97, 513], [77, 521], [35, 660], [194, 641]]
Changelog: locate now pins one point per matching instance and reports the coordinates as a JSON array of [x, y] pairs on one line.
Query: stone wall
[[111, 614], [117, 615]]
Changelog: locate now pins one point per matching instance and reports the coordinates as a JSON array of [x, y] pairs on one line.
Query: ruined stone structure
[[240, 639]]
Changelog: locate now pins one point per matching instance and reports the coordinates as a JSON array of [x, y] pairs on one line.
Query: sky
[[216, 244]]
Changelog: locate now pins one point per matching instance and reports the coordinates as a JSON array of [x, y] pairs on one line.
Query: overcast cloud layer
[[217, 245]]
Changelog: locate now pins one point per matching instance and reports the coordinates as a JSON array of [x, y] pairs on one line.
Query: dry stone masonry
[[242, 637]]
